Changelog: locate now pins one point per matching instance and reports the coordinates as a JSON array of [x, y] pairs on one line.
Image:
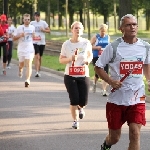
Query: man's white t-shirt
[[128, 57], [25, 44], [11, 30], [38, 25], [84, 47]]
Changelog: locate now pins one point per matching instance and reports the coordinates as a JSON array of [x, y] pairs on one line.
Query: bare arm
[[46, 30], [66, 60], [18, 36], [146, 71], [93, 40], [104, 76]]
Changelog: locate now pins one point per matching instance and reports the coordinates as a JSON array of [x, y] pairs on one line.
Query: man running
[[126, 103], [24, 34], [41, 27]]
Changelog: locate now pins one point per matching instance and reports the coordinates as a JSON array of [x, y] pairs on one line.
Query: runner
[[41, 27], [4, 43], [76, 53], [11, 30], [25, 50], [127, 102], [99, 42]]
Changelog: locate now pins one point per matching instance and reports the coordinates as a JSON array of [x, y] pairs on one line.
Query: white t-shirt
[[38, 32], [84, 47], [25, 44], [11, 30], [128, 57]]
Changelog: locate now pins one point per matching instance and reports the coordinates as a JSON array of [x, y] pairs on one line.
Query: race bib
[[37, 38], [75, 71], [135, 66]]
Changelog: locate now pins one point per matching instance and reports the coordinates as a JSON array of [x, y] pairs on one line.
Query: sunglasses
[[77, 28], [26, 19]]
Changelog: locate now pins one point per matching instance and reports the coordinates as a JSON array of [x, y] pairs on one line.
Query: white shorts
[[22, 58]]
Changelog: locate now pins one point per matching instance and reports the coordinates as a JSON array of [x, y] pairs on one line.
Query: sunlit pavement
[[38, 117]]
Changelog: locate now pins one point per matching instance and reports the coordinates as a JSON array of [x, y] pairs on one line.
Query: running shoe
[[105, 147], [4, 72], [81, 113], [75, 125], [20, 74], [27, 83], [37, 74], [8, 67], [104, 93], [94, 88]]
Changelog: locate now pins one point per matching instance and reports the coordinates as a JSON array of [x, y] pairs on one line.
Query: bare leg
[[104, 85], [113, 136], [111, 139], [37, 62], [40, 61], [134, 136], [21, 65], [28, 63], [74, 112], [4, 66], [95, 80]]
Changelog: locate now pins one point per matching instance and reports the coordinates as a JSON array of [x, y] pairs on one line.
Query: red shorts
[[117, 115]]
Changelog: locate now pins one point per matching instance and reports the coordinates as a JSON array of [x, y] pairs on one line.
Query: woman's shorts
[[78, 89]]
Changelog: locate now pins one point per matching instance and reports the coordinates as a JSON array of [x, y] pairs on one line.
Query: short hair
[[26, 15], [127, 16], [77, 22], [37, 14], [103, 26]]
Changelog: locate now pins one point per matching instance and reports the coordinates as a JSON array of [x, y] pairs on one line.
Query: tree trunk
[[147, 19], [71, 19], [106, 19], [48, 13], [54, 24], [125, 7], [60, 20], [80, 14]]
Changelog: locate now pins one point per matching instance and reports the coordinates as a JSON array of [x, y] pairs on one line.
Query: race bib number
[[75, 71], [37, 38], [136, 66]]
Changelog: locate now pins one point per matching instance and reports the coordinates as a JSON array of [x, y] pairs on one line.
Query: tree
[[125, 7], [103, 7]]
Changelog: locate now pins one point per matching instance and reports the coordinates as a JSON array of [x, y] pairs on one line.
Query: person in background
[[99, 42], [11, 30], [76, 53], [25, 34], [126, 101], [4, 43], [41, 27]]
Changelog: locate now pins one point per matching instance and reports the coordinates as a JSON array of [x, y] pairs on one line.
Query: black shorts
[[78, 89], [106, 68], [39, 49]]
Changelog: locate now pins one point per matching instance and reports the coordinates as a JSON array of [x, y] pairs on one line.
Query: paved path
[[38, 117]]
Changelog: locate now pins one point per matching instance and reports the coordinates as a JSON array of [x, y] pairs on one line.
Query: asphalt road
[[38, 117]]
